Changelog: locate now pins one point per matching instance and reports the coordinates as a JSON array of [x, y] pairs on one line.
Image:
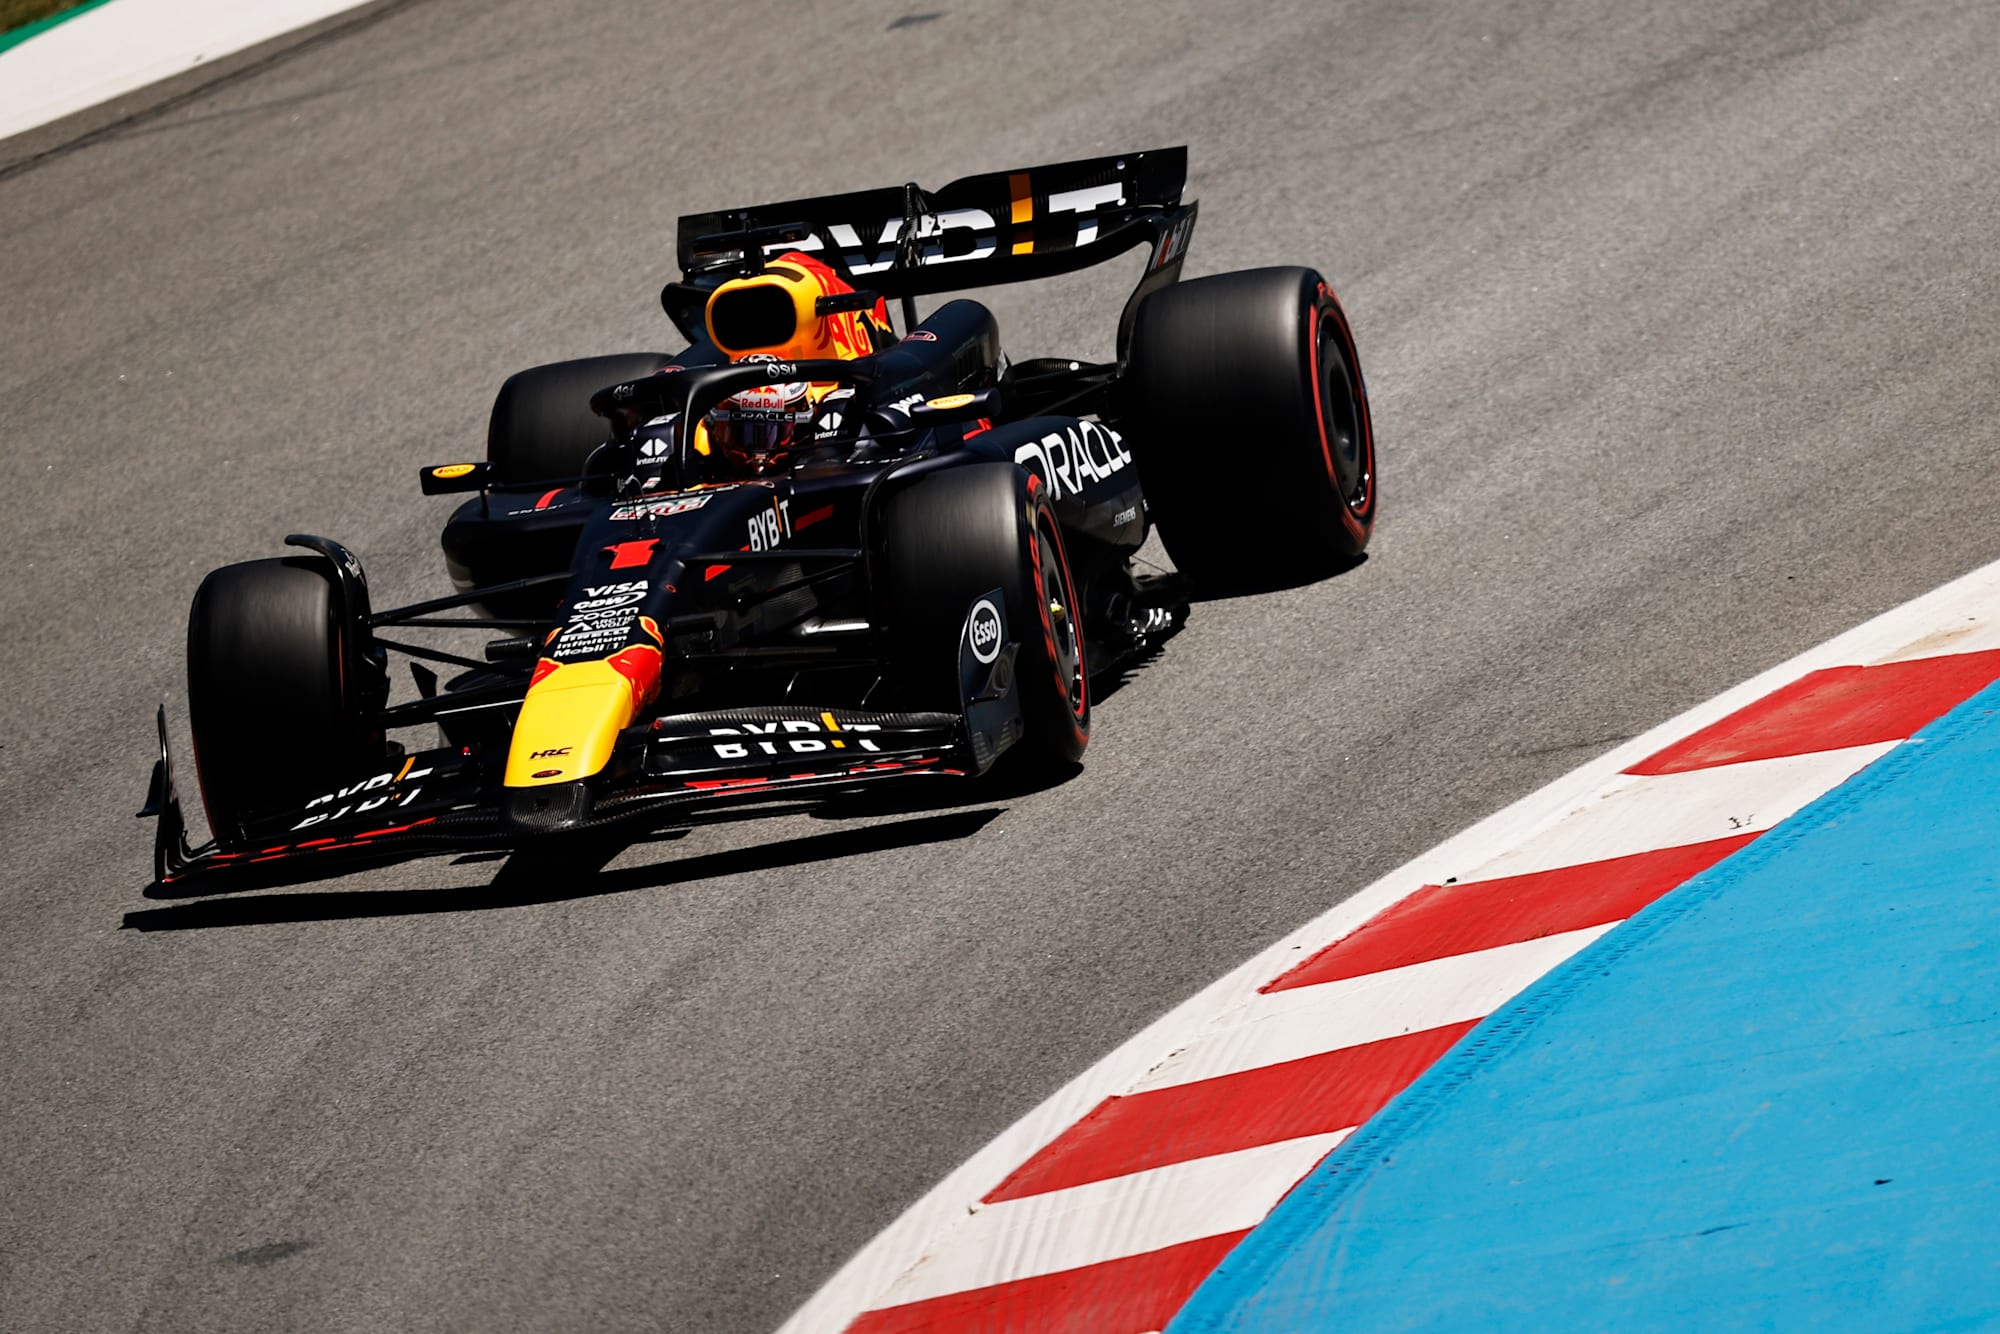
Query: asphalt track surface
[[1681, 329]]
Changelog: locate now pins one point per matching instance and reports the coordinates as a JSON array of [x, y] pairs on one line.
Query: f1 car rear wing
[[904, 241]]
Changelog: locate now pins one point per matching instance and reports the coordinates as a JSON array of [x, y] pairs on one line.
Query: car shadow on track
[[557, 875], [1108, 683], [1005, 782], [1276, 579]]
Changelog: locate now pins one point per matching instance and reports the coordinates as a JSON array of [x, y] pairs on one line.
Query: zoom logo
[[982, 630]]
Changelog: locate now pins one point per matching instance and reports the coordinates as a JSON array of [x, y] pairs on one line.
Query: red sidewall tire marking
[[1327, 309], [1080, 709]]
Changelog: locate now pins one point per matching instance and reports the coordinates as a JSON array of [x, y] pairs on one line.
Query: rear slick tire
[[957, 534], [542, 428], [1252, 376]]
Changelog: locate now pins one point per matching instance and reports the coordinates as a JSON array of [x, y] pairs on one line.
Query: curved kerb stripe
[[1105, 1209]]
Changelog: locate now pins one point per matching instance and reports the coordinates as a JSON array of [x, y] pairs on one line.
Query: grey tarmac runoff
[[1679, 329]]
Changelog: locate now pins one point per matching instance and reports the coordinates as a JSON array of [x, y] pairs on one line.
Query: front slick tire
[[960, 533], [267, 694], [1252, 376]]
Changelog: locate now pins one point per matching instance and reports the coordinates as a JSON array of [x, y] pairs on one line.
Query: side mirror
[[956, 408], [444, 479]]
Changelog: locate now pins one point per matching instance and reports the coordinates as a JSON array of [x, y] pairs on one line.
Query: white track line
[[128, 44]]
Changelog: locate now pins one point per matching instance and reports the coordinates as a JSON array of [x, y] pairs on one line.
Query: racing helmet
[[759, 428]]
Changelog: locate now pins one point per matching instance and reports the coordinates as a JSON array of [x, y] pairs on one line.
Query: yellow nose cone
[[573, 713]]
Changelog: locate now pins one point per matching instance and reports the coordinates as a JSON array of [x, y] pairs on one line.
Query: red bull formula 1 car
[[807, 553]]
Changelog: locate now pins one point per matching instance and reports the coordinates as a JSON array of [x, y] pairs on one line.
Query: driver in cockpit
[[774, 315]]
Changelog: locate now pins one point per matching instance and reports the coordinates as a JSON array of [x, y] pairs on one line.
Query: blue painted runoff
[[1769, 1101]]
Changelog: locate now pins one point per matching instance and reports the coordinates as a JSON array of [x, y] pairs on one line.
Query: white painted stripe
[[1308, 1021], [1631, 813], [128, 44], [1109, 1220], [1905, 631], [1972, 632]]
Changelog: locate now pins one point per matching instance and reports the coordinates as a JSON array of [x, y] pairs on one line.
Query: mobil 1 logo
[[601, 620]]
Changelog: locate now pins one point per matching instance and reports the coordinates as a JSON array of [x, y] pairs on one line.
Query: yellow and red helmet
[[774, 316], [776, 312], [759, 428]]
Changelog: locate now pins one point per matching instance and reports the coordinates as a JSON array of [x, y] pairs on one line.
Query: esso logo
[[982, 630]]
